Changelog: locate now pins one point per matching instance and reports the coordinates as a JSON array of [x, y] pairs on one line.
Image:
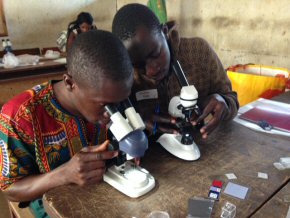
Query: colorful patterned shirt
[[37, 134]]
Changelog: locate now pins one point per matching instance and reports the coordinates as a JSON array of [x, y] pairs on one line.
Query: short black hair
[[130, 17], [97, 55], [83, 17]]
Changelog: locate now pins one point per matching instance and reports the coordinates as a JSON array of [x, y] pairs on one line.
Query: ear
[[164, 29], [68, 82], [171, 25]]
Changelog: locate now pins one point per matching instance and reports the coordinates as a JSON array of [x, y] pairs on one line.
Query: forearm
[[34, 186], [233, 105]]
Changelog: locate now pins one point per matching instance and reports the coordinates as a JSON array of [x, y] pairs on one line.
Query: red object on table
[[217, 183]]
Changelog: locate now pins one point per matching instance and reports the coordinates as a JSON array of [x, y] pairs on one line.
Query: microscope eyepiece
[[111, 109], [126, 103]]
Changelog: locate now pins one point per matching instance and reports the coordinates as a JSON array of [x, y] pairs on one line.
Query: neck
[[64, 98]]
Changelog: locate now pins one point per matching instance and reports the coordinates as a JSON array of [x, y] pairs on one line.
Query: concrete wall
[[34, 23], [247, 31]]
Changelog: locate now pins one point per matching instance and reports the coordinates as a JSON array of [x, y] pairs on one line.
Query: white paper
[[147, 94], [231, 176], [236, 190], [262, 175]]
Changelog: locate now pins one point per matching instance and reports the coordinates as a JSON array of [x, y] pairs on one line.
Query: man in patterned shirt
[[54, 134], [152, 48]]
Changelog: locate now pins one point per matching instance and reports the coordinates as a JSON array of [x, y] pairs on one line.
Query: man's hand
[[88, 166], [218, 108], [161, 123]]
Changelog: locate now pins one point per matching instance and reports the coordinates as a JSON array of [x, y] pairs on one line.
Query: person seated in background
[[152, 48], [82, 24], [55, 133]]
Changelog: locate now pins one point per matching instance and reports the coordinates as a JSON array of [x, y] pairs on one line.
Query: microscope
[[131, 141], [182, 107]]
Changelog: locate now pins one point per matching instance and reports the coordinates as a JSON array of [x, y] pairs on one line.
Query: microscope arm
[[179, 73]]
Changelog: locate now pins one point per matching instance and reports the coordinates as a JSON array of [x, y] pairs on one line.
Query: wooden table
[[278, 205], [231, 149], [45, 66]]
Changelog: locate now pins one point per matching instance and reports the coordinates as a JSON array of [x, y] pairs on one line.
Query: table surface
[[45, 66], [232, 148], [278, 205]]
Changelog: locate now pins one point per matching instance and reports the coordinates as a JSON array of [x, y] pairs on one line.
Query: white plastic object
[[50, 54], [188, 96], [10, 60], [172, 108], [279, 166], [134, 118], [228, 210], [4, 43], [27, 59], [285, 161], [130, 179], [119, 127], [128, 157], [172, 143], [8, 42]]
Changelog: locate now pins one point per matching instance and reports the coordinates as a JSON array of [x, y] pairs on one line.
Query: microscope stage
[[172, 143], [130, 179]]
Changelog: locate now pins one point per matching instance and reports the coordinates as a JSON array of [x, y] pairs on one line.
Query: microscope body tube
[[119, 127], [134, 119]]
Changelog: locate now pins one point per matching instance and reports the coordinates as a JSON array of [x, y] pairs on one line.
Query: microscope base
[[130, 179], [172, 143]]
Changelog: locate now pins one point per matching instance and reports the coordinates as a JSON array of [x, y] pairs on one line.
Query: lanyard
[[157, 112]]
